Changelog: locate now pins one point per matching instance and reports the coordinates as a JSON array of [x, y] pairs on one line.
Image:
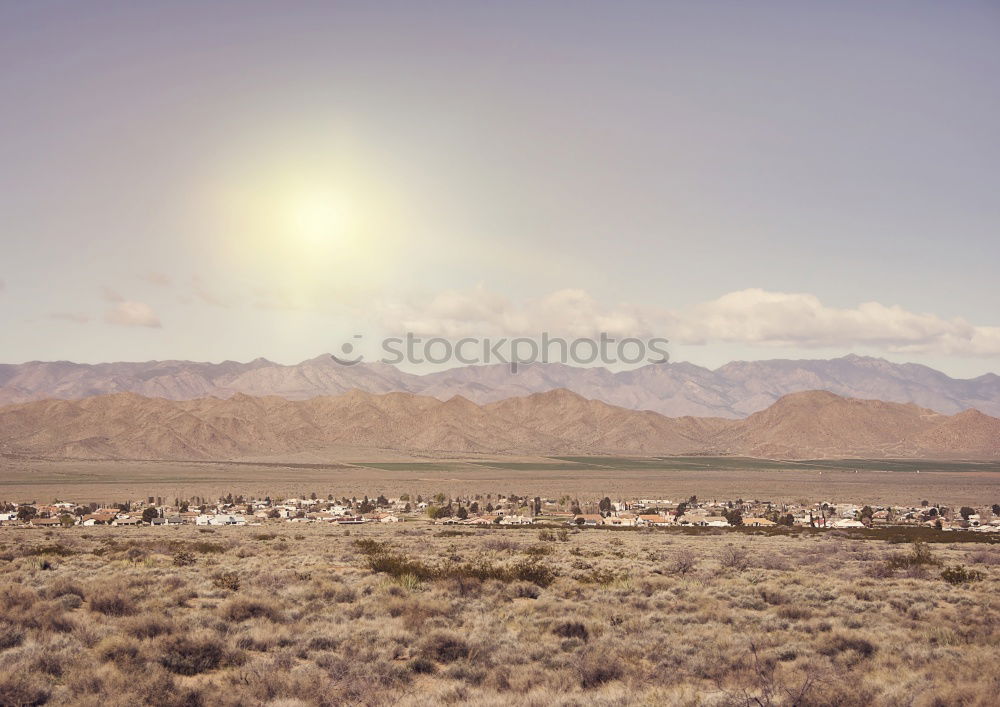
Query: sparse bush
[[734, 558], [147, 626], [184, 559], [64, 587], [525, 590], [22, 688], [186, 655], [985, 557], [124, 652], [538, 550], [444, 647], [596, 668], [919, 556], [230, 581], [10, 635], [684, 562], [243, 609], [501, 544], [959, 575], [421, 665], [571, 629], [840, 643], [111, 602]]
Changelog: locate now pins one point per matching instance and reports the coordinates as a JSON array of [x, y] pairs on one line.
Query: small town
[[502, 510]]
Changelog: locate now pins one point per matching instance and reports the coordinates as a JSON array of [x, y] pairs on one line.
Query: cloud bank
[[132, 314], [752, 316]]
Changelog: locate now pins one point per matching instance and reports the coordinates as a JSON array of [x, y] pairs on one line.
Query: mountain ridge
[[803, 425], [734, 390]]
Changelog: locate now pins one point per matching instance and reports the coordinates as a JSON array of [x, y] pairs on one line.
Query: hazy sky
[[751, 180]]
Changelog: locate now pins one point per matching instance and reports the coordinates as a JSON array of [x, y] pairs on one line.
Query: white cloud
[[758, 316], [752, 316], [137, 314]]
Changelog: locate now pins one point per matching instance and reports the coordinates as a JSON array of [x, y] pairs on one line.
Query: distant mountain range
[[802, 425], [673, 389]]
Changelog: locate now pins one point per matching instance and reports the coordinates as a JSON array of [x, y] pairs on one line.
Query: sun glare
[[317, 218]]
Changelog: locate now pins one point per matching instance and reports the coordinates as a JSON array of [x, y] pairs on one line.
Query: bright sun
[[306, 226], [317, 217]]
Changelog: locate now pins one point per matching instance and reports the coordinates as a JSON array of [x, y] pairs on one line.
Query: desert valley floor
[[852, 480]]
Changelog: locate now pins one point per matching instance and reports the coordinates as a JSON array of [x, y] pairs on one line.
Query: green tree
[[148, 514], [26, 513]]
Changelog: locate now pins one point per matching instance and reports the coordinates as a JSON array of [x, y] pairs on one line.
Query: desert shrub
[[112, 602], [14, 597], [230, 581], [343, 595], [451, 533], [186, 655], [774, 597], [323, 643], [880, 570], [841, 643], [368, 546], [984, 557], [147, 626], [184, 559], [421, 665], [10, 635], [596, 668], [244, 609], [122, 651], [959, 575], [571, 629], [501, 544], [466, 672], [396, 565], [55, 549], [23, 688], [599, 575], [444, 647], [527, 571], [920, 555], [794, 612], [734, 558], [64, 587], [684, 562], [524, 590], [538, 550]]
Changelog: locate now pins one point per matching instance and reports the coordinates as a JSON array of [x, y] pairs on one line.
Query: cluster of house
[[721, 514], [500, 510]]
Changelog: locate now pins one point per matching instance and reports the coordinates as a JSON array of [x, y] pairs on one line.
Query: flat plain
[[894, 482]]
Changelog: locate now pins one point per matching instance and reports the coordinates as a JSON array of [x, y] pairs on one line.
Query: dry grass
[[389, 615]]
